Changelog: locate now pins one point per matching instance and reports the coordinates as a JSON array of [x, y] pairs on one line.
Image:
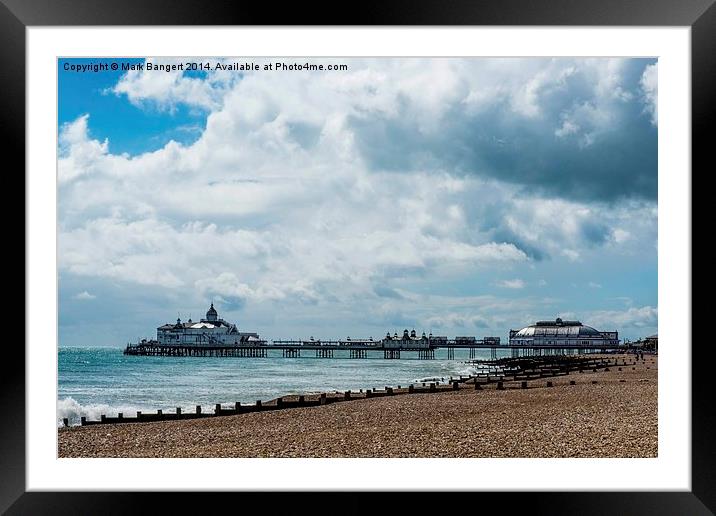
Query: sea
[[100, 380]]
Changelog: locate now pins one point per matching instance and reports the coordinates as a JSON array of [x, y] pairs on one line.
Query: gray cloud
[[586, 144]]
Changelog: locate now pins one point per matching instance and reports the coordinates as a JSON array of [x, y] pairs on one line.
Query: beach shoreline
[[604, 414]]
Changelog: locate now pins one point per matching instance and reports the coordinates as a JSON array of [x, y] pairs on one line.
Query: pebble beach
[[604, 414]]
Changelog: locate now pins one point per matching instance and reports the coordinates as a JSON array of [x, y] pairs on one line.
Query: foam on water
[[72, 410]]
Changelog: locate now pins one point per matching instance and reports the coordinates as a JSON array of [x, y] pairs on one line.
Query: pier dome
[[557, 327], [211, 314]]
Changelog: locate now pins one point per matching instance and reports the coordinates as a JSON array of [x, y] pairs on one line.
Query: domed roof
[[558, 327], [211, 314]]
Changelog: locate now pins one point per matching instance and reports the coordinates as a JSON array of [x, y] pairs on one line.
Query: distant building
[[650, 343], [208, 331], [562, 333], [408, 340], [411, 340]]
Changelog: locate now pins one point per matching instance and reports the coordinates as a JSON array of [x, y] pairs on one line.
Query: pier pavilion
[[209, 330], [563, 333]]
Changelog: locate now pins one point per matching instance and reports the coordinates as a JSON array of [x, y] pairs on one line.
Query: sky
[[455, 196]]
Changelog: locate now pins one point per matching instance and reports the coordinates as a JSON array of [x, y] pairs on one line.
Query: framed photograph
[[422, 249]]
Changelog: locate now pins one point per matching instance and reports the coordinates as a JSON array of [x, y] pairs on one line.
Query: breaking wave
[[73, 410]]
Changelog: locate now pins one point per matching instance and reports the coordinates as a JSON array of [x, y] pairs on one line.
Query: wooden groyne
[[508, 372]]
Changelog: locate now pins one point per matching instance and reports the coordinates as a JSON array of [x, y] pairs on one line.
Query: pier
[[362, 349]]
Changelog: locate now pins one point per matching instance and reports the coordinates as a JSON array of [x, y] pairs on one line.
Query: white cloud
[[84, 296], [620, 235], [513, 283], [650, 88], [167, 89], [571, 254], [631, 318], [593, 284]]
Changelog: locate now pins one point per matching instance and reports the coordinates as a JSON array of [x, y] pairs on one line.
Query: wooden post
[[178, 411], [83, 420], [258, 404], [159, 412], [323, 398], [549, 384], [237, 407], [455, 386], [411, 388], [572, 382], [347, 395], [102, 418], [524, 385], [432, 387], [301, 400], [478, 387], [120, 416], [198, 409], [389, 390], [65, 421], [500, 386]]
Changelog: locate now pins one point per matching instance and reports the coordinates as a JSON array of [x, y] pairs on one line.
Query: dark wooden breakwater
[[508, 372]]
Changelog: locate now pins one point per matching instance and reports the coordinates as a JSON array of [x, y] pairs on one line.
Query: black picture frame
[[17, 15]]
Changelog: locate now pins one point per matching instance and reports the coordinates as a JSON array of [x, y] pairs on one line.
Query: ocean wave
[[71, 409]]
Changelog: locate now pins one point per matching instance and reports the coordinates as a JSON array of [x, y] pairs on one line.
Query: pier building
[[562, 333], [211, 330]]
